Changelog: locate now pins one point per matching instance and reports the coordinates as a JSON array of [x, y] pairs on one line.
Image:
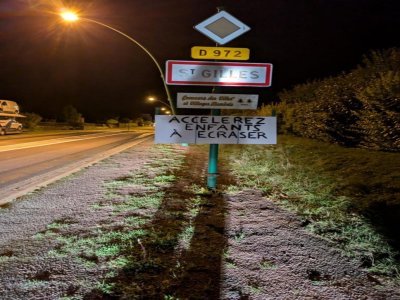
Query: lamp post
[[70, 16]]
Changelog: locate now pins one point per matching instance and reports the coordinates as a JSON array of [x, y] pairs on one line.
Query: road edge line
[[13, 193]]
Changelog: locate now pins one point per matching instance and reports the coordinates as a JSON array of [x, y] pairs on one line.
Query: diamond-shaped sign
[[222, 27]]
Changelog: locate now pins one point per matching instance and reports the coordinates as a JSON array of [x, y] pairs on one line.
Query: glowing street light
[[70, 16], [153, 99]]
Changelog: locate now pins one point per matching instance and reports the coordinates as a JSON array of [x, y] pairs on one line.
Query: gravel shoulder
[[79, 239]]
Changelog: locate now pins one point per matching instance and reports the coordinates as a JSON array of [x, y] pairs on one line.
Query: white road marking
[[19, 189], [55, 141]]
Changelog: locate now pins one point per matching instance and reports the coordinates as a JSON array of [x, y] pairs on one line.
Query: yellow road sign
[[223, 53]]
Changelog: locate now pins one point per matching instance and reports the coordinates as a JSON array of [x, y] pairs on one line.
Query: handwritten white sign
[[215, 130], [217, 101]]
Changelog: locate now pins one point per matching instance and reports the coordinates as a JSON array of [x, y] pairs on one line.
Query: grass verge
[[141, 224], [333, 188]]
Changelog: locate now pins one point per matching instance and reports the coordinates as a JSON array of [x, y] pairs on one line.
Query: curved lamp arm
[[145, 50]]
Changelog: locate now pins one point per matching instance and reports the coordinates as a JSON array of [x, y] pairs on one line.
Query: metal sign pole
[[213, 154], [221, 28], [213, 160]]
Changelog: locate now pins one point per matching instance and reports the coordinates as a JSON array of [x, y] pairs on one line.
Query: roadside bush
[[112, 123], [379, 120], [72, 117], [31, 121], [359, 108]]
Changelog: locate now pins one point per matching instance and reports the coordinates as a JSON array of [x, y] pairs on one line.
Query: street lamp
[[158, 109], [153, 99], [70, 16]]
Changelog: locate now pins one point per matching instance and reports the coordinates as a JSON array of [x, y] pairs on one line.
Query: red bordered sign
[[185, 72]]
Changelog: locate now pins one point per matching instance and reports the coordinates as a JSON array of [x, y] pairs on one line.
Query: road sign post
[[213, 160], [215, 129]]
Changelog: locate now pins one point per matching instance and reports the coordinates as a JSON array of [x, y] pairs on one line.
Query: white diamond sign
[[222, 27]]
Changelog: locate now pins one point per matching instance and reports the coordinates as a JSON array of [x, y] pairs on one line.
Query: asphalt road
[[31, 161]]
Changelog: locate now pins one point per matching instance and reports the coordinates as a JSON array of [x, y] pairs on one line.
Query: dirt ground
[[241, 245]]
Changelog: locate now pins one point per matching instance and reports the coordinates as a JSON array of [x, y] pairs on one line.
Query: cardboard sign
[[215, 130]]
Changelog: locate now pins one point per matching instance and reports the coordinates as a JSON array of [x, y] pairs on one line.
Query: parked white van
[[8, 106]]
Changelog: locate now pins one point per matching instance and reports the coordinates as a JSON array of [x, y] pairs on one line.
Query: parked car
[[8, 106], [9, 125]]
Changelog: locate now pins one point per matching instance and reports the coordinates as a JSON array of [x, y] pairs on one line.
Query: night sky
[[47, 64]]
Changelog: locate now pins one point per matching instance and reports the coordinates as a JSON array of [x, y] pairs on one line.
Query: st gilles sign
[[217, 101], [180, 72], [220, 53], [215, 130]]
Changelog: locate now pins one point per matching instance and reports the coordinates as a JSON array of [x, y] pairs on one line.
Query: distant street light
[[158, 109], [153, 99], [70, 16]]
